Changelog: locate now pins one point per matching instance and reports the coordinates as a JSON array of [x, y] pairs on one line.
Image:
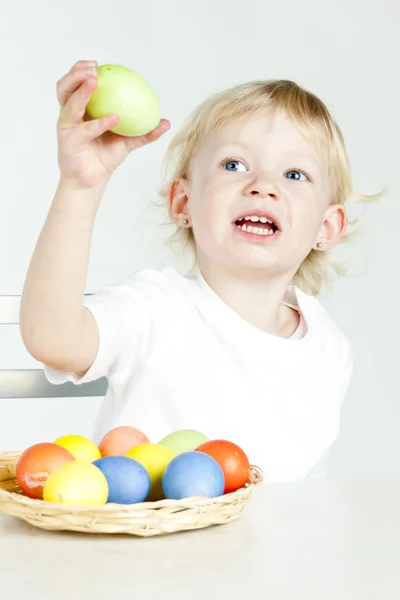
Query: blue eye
[[296, 175], [234, 165]]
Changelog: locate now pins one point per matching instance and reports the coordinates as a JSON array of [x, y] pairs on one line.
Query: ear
[[332, 228], [178, 201]]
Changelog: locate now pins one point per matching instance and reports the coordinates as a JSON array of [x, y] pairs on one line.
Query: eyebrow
[[311, 156], [306, 156]]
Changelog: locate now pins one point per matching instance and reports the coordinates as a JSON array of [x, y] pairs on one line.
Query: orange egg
[[118, 441], [36, 464], [232, 460]]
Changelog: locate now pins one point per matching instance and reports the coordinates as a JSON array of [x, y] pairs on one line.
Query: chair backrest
[[32, 383]]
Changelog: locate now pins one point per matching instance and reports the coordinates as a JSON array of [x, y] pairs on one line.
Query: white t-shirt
[[177, 356]]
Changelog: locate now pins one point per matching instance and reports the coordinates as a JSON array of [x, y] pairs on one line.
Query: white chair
[[32, 383]]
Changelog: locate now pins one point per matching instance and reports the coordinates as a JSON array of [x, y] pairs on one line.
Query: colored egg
[[128, 481], [154, 458], [193, 474], [80, 447], [124, 92], [233, 461], [77, 483], [118, 441], [36, 464], [183, 440]]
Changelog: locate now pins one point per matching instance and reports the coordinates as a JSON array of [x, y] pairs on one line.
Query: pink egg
[[118, 441]]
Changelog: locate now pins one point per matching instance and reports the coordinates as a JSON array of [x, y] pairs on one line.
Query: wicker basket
[[144, 519]]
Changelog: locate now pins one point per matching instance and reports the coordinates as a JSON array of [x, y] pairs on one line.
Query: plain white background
[[346, 52]]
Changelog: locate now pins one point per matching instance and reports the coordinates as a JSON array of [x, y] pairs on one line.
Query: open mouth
[[257, 224]]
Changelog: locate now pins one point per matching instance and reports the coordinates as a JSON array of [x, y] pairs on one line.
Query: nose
[[264, 186]]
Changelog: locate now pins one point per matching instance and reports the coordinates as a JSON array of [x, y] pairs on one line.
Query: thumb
[[90, 130], [137, 142]]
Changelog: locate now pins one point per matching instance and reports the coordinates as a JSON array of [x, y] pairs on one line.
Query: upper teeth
[[254, 218]]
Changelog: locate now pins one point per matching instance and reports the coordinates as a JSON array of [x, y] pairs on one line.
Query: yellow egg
[[80, 484], [80, 447], [155, 459]]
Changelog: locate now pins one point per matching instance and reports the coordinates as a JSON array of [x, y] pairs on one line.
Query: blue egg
[[193, 474], [128, 481]]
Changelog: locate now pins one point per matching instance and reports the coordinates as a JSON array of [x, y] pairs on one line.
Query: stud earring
[[185, 222], [319, 245]]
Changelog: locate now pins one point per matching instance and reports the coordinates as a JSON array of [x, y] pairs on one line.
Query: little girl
[[241, 349]]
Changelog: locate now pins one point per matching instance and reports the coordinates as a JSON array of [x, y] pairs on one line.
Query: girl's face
[[258, 197]]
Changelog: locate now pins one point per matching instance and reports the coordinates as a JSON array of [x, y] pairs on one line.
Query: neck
[[255, 297]]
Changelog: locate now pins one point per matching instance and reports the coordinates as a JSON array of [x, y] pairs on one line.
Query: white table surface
[[304, 541]]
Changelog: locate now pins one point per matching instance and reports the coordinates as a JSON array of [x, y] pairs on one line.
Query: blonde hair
[[314, 120]]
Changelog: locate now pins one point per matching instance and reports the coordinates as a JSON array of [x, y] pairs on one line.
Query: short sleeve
[[347, 369], [123, 317]]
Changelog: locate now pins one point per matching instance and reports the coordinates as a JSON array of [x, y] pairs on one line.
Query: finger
[[68, 84], [74, 110], [138, 142], [85, 63], [91, 130]]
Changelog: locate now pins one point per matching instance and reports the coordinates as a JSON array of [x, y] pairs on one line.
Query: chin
[[252, 262], [269, 259]]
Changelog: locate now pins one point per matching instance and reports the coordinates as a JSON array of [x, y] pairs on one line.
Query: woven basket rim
[[141, 519]]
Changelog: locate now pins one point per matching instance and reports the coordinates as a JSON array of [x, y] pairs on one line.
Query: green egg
[[183, 440], [124, 92]]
